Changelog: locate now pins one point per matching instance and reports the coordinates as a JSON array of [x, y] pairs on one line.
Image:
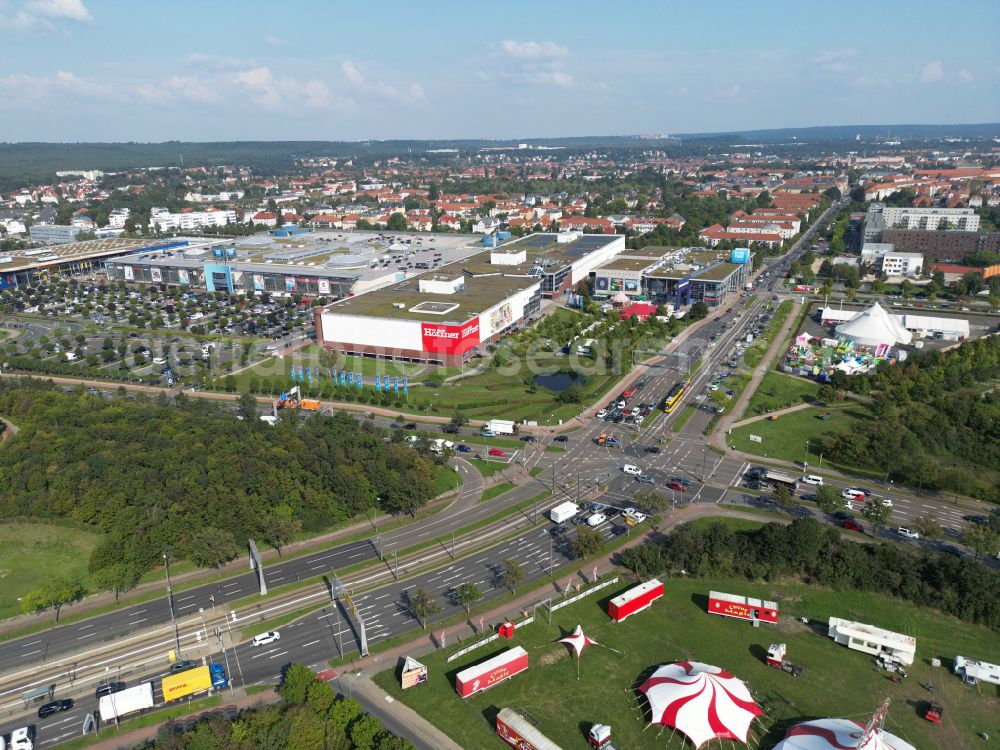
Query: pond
[[559, 381]]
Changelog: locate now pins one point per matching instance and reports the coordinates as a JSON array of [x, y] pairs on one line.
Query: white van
[[21, 739], [812, 479], [632, 470], [596, 520]]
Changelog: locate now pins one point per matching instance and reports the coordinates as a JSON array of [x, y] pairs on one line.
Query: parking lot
[[152, 335]]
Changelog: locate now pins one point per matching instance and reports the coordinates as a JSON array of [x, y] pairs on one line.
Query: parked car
[[463, 448], [851, 525], [683, 480], [496, 452], [561, 438], [645, 479], [651, 449], [597, 519], [908, 533], [54, 707], [602, 414], [527, 438], [676, 486], [631, 469], [265, 638], [410, 426]]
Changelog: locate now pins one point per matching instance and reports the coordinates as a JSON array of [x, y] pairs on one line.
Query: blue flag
[[309, 375], [358, 379], [293, 372], [350, 379], [395, 383], [405, 389], [378, 382]]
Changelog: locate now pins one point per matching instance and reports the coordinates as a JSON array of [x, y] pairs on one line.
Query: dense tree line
[[189, 479], [819, 555], [934, 426], [310, 717]]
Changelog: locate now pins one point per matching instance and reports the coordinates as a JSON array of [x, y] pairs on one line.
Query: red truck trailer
[[518, 732], [742, 607], [634, 600], [491, 672]]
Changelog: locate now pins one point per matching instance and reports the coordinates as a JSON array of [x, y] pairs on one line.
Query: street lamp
[[806, 462], [170, 603]]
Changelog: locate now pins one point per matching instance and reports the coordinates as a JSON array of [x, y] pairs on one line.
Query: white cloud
[[932, 71], [965, 75], [275, 41], [274, 93], [42, 90], [549, 78], [835, 60], [218, 62], [181, 88], [38, 15], [412, 92], [533, 50], [74, 10]]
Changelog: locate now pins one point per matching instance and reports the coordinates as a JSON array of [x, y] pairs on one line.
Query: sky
[[138, 70]]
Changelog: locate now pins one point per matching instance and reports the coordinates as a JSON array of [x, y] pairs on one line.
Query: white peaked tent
[[620, 298], [701, 701], [874, 326], [837, 734]]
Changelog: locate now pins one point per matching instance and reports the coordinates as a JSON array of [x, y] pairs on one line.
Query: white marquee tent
[[873, 327]]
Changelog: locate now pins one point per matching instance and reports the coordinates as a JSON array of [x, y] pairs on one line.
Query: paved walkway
[[775, 413]]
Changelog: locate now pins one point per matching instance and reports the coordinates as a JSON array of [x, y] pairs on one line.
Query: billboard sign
[[631, 285], [156, 275], [616, 285], [739, 255], [258, 282], [182, 276], [324, 286], [502, 317], [601, 284], [414, 673], [129, 273], [445, 339], [290, 284]]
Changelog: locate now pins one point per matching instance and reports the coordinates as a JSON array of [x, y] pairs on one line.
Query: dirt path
[[768, 415]]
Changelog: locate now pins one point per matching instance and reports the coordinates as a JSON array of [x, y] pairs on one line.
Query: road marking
[[29, 653], [89, 635], [311, 643], [280, 653], [136, 622]]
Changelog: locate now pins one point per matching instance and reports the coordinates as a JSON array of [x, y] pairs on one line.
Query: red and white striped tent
[[701, 701], [840, 734]]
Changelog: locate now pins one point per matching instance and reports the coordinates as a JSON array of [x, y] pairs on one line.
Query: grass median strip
[[492, 492], [683, 418]]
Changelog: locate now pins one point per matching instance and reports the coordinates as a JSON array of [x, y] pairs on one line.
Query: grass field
[[494, 394], [777, 390], [31, 552], [446, 479], [491, 492], [688, 412], [836, 682], [786, 437]]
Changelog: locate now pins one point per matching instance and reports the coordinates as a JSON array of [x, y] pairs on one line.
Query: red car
[[851, 525], [676, 486], [496, 452]]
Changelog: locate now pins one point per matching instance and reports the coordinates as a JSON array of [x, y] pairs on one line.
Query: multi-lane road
[[585, 469]]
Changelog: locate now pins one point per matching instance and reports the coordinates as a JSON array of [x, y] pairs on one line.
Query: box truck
[[125, 702], [500, 427], [564, 511]]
